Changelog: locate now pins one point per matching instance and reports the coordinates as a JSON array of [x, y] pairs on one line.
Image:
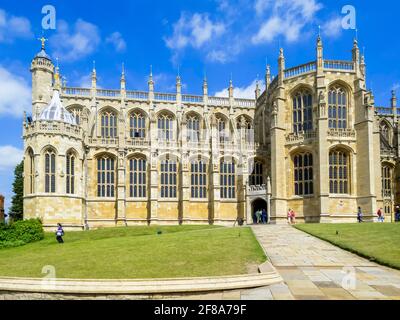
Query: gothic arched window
[[70, 173], [303, 174], [50, 171], [302, 112], [256, 177], [169, 179], [193, 128], [387, 178], [165, 127], [245, 127], [198, 179], [227, 179], [385, 133], [106, 177], [137, 122], [339, 172], [108, 124], [137, 177], [221, 129], [338, 108]]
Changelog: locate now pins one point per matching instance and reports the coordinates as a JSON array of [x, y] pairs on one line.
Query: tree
[[17, 202]]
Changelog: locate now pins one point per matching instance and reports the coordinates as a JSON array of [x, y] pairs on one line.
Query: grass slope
[[377, 242], [138, 252]]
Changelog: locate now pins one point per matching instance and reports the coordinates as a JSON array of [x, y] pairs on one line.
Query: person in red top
[[381, 218], [293, 217]]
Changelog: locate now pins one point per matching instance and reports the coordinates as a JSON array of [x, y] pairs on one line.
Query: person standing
[[289, 216], [359, 215], [397, 215], [380, 215], [293, 217], [264, 216], [60, 233]]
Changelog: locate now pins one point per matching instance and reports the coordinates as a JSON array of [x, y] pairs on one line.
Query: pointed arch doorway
[[259, 205]]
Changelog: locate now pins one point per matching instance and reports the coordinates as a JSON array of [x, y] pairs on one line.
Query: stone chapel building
[[313, 141]]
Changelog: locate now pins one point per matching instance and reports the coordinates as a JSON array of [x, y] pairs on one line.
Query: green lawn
[[379, 242], [138, 252]]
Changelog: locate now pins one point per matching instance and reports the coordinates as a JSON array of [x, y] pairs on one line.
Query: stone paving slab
[[315, 269]]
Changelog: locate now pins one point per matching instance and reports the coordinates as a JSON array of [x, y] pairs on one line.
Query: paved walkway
[[314, 269]]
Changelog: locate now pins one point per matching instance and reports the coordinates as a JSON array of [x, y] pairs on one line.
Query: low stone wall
[[27, 288]]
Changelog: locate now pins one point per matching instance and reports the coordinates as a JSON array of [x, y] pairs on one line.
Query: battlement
[[71, 92], [52, 127]]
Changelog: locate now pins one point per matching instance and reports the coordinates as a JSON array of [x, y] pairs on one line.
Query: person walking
[[397, 215], [60, 233], [293, 217], [289, 216], [258, 216], [359, 215], [264, 216], [381, 218]]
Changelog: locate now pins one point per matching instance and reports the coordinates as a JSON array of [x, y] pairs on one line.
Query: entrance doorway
[[260, 205]]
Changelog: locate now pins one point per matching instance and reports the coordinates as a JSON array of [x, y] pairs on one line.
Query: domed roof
[[43, 54], [55, 111]]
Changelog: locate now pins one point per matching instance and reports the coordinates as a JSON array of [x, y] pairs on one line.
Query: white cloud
[[396, 86], [81, 41], [246, 92], [118, 41], [194, 30], [15, 94], [218, 56], [285, 18], [12, 27], [333, 27], [12, 157], [261, 5]]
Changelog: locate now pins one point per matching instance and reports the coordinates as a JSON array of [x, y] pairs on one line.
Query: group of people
[[261, 217], [291, 216]]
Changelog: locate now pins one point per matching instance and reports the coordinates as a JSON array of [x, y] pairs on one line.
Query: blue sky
[[216, 37]]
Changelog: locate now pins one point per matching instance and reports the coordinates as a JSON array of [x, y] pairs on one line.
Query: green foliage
[[20, 233], [17, 202]]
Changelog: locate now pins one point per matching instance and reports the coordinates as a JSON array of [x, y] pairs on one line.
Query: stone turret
[[42, 69], [393, 102], [320, 55], [267, 77], [281, 63], [151, 84]]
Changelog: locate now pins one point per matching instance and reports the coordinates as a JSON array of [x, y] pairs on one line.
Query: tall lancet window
[[31, 172], [338, 108], [339, 172], [108, 124], [165, 127], [137, 123], [256, 177], [198, 179], [169, 174], [245, 128], [137, 177], [106, 177], [387, 178], [221, 127], [303, 174], [50, 171], [227, 179], [193, 128], [302, 112], [70, 173]]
